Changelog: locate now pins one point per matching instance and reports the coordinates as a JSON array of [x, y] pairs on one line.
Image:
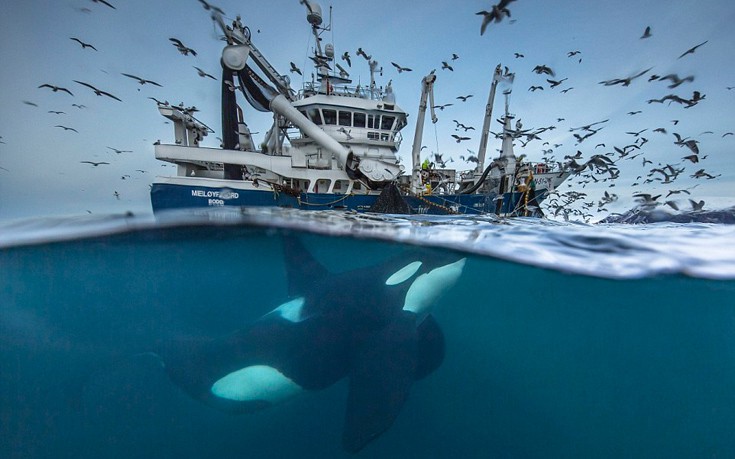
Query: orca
[[371, 325]]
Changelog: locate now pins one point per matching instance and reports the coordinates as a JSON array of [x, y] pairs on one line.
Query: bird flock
[[75, 87], [591, 162]]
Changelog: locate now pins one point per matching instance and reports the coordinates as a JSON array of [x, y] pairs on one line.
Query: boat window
[[373, 121], [345, 118], [400, 124], [359, 120], [387, 123], [330, 116], [315, 116], [373, 136]]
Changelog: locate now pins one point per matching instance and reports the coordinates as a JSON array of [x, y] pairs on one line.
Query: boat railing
[[360, 92]]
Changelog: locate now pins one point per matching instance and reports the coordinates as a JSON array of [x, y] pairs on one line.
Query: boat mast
[[488, 119]]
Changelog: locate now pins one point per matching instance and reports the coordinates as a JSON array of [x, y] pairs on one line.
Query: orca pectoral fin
[[382, 374]]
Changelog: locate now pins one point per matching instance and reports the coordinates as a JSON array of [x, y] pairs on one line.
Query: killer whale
[[371, 325]]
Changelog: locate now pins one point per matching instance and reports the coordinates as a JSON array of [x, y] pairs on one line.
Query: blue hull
[[166, 196]]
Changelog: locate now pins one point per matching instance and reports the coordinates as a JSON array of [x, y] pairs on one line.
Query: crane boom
[[427, 92]]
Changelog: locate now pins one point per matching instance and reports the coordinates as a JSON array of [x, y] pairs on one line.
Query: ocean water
[[562, 340]]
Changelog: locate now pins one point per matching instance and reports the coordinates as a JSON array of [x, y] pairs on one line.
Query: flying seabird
[[141, 81], [555, 83], [104, 3], [210, 7], [120, 151], [346, 57], [55, 88], [496, 14], [455, 56], [692, 49], [32, 104], [625, 81], [95, 164], [361, 52], [295, 69], [66, 128], [79, 106], [56, 112], [675, 80], [97, 91], [84, 45], [447, 66], [646, 33], [181, 47], [204, 74], [459, 138], [400, 68], [543, 69], [464, 98]]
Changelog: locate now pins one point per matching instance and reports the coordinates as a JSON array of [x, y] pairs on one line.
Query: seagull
[[496, 14], [181, 47], [692, 49], [204, 74], [459, 138], [447, 66], [55, 112], [543, 69], [555, 83], [120, 151], [696, 205], [464, 98], [295, 69], [361, 52], [142, 81], [345, 132], [625, 81], [32, 104], [442, 107], [675, 80], [518, 55], [210, 7], [84, 45], [401, 69], [93, 163], [346, 57], [455, 56], [97, 91], [79, 106], [646, 33], [55, 88], [66, 128], [104, 3]]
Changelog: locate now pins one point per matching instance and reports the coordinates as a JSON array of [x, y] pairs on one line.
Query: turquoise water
[[562, 340]]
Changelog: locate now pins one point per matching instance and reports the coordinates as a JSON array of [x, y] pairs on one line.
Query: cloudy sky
[[41, 172]]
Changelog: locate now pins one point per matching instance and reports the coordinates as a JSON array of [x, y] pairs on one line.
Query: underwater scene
[[277, 334]]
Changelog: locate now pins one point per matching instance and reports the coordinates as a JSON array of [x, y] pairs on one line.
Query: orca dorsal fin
[[302, 269]]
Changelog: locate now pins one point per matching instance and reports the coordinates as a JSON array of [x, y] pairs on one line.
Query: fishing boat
[[334, 145]]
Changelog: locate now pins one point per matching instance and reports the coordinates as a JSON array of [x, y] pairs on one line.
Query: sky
[[41, 169]]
